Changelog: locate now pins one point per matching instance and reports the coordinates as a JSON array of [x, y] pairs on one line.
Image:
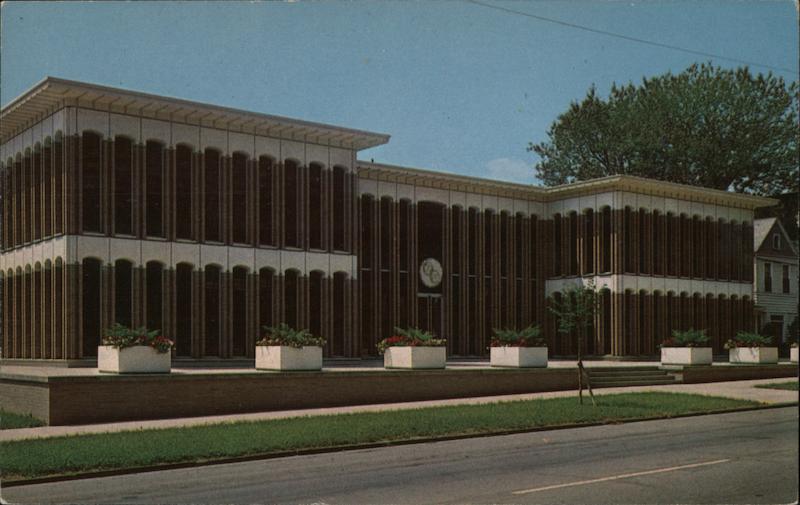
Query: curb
[[371, 445]]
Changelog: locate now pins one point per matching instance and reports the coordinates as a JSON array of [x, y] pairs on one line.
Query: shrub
[[411, 337], [747, 339], [527, 337], [120, 336], [283, 334], [688, 338]]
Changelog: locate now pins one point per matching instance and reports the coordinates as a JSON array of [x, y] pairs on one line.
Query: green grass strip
[[10, 421], [789, 386], [83, 453]]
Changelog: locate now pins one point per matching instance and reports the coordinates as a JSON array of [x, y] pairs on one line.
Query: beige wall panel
[[242, 256], [153, 129], [293, 260], [367, 187], [387, 189], [241, 142], [185, 253], [405, 191], [317, 261], [342, 263], [432, 195], [37, 133], [458, 198], [60, 122], [216, 254], [152, 250], [317, 153], [185, 134], [212, 137], [505, 204], [268, 258], [124, 125], [490, 202], [268, 146], [343, 157], [93, 120], [473, 200], [294, 150], [95, 247], [130, 250]]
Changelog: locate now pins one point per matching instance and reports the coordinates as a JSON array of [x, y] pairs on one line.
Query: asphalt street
[[749, 457]]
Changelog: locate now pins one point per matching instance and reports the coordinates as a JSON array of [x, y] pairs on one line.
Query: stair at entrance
[[629, 376]]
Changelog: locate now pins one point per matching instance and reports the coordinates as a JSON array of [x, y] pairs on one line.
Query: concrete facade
[[209, 223]]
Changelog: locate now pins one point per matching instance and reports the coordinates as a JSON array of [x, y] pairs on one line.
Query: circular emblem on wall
[[430, 272]]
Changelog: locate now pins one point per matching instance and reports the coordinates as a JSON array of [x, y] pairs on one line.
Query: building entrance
[[429, 307]]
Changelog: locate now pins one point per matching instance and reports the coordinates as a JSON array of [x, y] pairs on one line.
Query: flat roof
[[52, 94]]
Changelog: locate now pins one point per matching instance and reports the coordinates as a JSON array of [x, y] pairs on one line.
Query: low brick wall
[[700, 374], [80, 400]]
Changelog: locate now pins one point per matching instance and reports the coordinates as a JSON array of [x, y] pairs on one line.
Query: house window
[[776, 241], [767, 277], [786, 279]]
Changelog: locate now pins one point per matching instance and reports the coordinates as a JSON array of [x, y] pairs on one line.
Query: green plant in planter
[[747, 339], [687, 338], [285, 335], [526, 337], [411, 337], [120, 336]]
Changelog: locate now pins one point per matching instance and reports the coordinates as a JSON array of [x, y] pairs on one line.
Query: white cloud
[[511, 170]]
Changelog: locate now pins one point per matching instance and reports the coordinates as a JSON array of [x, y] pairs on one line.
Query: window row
[[150, 191], [641, 242]]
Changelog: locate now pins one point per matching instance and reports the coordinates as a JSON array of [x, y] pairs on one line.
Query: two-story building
[[775, 290], [209, 223]]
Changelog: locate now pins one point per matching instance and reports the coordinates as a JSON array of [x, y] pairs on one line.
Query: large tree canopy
[[707, 126]]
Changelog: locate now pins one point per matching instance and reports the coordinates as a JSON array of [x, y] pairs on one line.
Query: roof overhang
[[641, 185], [52, 94]]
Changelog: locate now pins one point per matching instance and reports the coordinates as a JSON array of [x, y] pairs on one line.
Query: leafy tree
[[575, 310], [707, 126]]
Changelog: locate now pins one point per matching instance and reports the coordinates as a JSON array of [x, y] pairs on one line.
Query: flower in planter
[[747, 339], [412, 337], [688, 338], [527, 337], [285, 335], [120, 336]]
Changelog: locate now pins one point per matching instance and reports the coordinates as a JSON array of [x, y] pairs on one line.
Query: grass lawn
[[82, 453], [789, 386], [9, 421]]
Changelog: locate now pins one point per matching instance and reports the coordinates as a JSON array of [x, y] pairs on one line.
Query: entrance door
[[430, 313]]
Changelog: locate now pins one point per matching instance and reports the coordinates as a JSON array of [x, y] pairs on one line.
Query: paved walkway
[[744, 390]]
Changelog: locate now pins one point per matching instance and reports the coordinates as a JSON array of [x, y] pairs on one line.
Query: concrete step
[[626, 380], [630, 383], [626, 373]]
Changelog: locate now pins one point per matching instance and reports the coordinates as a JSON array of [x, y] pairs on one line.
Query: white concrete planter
[[686, 356], [793, 354], [283, 357], [415, 357], [753, 355], [136, 359], [518, 357]]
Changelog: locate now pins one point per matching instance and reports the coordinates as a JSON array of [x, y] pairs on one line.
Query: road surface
[[749, 457]]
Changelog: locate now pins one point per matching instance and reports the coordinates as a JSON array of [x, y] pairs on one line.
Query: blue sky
[[460, 87]]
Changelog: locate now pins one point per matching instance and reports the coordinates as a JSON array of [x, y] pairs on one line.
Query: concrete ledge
[[700, 374]]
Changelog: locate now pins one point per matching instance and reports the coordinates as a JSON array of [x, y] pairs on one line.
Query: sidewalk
[[742, 390]]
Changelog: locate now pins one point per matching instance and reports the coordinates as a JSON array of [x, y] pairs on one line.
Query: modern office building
[[208, 223]]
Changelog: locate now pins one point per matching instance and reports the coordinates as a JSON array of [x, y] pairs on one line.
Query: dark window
[[367, 231], [697, 253], [557, 244], [239, 310], [48, 192], [315, 208], [183, 193], [768, 277], [627, 233], [504, 240], [786, 279], [315, 290], [19, 191], [588, 241], [91, 306], [573, 243], [291, 292], [657, 241], [123, 292], [266, 278], [403, 239], [212, 311], [643, 241], [472, 242], [213, 196], [606, 240], [90, 178], [154, 282], [239, 203], [340, 178], [776, 241], [123, 186], [387, 228], [154, 175], [340, 315], [488, 241], [183, 309], [291, 201], [265, 199], [58, 173], [36, 194]]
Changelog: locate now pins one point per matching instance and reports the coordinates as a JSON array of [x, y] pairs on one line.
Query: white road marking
[[623, 476]]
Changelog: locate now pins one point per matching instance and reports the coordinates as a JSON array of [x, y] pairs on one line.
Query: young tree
[[706, 126], [575, 310]]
